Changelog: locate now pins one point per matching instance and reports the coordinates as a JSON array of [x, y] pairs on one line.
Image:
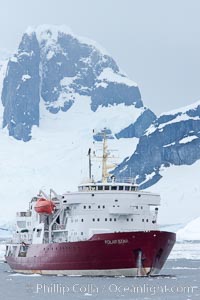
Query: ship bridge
[[107, 187]]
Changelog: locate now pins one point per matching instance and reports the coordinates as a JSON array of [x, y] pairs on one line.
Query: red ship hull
[[109, 254]]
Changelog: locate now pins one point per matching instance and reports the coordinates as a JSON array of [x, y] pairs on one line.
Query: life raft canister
[[44, 206]]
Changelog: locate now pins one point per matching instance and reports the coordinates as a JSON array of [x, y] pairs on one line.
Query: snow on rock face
[[172, 139], [55, 66], [20, 94], [3, 67]]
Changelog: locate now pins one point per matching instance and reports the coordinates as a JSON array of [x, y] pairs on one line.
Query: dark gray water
[[180, 279]]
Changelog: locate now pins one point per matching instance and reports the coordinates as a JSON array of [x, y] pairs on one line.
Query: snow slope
[[56, 157], [180, 194]]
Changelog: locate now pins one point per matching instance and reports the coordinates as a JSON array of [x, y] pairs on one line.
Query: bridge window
[[106, 187], [121, 188], [114, 188], [100, 187], [127, 188]]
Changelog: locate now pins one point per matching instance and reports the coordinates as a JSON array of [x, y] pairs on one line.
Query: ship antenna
[[90, 163]]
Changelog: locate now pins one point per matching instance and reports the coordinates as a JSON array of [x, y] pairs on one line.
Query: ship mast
[[104, 158], [105, 167]]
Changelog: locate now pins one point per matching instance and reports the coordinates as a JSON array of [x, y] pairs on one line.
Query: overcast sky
[[155, 42]]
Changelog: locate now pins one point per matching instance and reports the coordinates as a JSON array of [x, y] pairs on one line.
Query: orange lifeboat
[[44, 206]]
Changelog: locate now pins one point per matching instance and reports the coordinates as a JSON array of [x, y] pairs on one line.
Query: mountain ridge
[[53, 66]]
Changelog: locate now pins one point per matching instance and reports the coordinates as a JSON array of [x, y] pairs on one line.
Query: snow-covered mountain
[[172, 139], [55, 69], [56, 89]]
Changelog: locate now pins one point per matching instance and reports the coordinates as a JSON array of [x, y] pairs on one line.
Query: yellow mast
[[105, 157]]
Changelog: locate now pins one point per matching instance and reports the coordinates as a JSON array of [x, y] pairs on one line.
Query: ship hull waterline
[[140, 253]]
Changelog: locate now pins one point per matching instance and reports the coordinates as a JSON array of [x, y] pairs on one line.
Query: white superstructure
[[97, 207]]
